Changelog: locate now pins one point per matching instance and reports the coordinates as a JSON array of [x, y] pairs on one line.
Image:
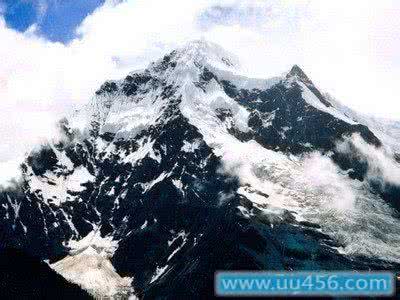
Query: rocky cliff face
[[187, 167]]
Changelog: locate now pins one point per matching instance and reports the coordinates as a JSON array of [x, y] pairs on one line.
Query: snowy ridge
[[203, 53], [386, 129], [314, 101], [338, 205], [274, 174], [187, 167]]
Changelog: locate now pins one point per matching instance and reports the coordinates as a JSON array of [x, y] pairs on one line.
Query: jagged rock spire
[[297, 72]]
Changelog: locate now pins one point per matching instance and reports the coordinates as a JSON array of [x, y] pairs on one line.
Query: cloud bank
[[343, 46]]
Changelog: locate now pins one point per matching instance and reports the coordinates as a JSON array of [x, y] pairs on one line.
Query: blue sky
[[56, 20]]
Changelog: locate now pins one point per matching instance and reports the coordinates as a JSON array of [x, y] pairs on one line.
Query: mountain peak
[[202, 52], [211, 52], [297, 72], [155, 154]]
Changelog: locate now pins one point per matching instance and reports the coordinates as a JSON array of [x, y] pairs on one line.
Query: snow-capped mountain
[[188, 167]]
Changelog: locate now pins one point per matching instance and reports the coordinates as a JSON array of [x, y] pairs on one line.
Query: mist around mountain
[[188, 167]]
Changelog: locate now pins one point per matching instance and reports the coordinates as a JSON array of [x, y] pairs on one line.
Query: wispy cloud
[[246, 14], [40, 80], [382, 167], [41, 9]]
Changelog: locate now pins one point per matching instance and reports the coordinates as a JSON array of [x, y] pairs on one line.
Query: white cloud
[[382, 166], [321, 173], [314, 189], [350, 49]]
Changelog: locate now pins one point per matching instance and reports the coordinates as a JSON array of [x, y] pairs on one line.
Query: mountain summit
[[202, 52], [187, 167], [299, 73]]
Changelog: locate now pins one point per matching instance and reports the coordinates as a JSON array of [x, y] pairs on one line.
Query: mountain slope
[[187, 167]]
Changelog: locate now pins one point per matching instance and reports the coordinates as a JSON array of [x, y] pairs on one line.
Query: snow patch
[[191, 147], [179, 185], [57, 191], [145, 149], [158, 273], [144, 225], [147, 186]]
